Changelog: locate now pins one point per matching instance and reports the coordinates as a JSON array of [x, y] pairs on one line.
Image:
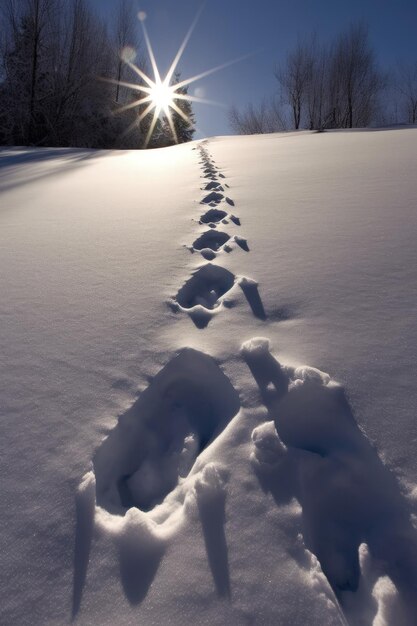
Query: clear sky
[[266, 29]]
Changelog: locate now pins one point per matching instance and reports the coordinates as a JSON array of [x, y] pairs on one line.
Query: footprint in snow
[[213, 186], [213, 216], [152, 453], [210, 169], [210, 242], [215, 198], [210, 175], [313, 450], [157, 441], [203, 294]]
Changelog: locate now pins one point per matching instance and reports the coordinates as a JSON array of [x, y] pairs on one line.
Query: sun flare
[[160, 95]]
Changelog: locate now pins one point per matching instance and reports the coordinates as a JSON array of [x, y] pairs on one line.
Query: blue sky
[[265, 29]]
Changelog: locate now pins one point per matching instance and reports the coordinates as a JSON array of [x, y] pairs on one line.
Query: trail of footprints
[[205, 292], [354, 513]]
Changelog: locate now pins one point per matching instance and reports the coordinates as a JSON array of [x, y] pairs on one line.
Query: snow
[[207, 382]]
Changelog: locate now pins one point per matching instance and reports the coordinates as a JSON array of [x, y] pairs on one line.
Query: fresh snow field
[[208, 382]]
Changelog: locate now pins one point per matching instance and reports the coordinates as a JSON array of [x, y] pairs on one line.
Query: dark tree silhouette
[[183, 124], [53, 56]]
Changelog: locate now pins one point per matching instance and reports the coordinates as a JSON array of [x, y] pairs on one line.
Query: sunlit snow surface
[[175, 448]]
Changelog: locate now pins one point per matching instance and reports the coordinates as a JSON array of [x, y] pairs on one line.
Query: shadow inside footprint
[[157, 441], [213, 197], [202, 292], [213, 239], [145, 457], [213, 216], [213, 186]]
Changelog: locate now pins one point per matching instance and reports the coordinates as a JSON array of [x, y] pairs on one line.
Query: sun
[[160, 95]]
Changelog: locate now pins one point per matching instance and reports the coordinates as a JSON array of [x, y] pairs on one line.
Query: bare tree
[[293, 77], [316, 92], [332, 87], [267, 117], [355, 80], [406, 85]]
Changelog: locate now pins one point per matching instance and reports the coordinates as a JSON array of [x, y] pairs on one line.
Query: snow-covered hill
[[207, 382]]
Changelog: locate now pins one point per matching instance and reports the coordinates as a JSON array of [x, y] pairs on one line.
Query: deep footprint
[[156, 442], [205, 287], [213, 239], [213, 216], [213, 185], [214, 196]]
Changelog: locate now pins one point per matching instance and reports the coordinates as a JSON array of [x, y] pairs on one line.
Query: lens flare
[[128, 54]]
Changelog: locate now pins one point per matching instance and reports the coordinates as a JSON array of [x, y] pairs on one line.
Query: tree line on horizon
[[62, 77], [333, 86]]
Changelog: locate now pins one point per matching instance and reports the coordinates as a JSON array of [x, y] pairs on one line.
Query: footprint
[[213, 197], [203, 293], [210, 170], [348, 496], [213, 185], [213, 216], [156, 442], [212, 239]]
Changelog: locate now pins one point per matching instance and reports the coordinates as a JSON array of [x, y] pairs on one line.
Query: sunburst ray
[[161, 94]]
